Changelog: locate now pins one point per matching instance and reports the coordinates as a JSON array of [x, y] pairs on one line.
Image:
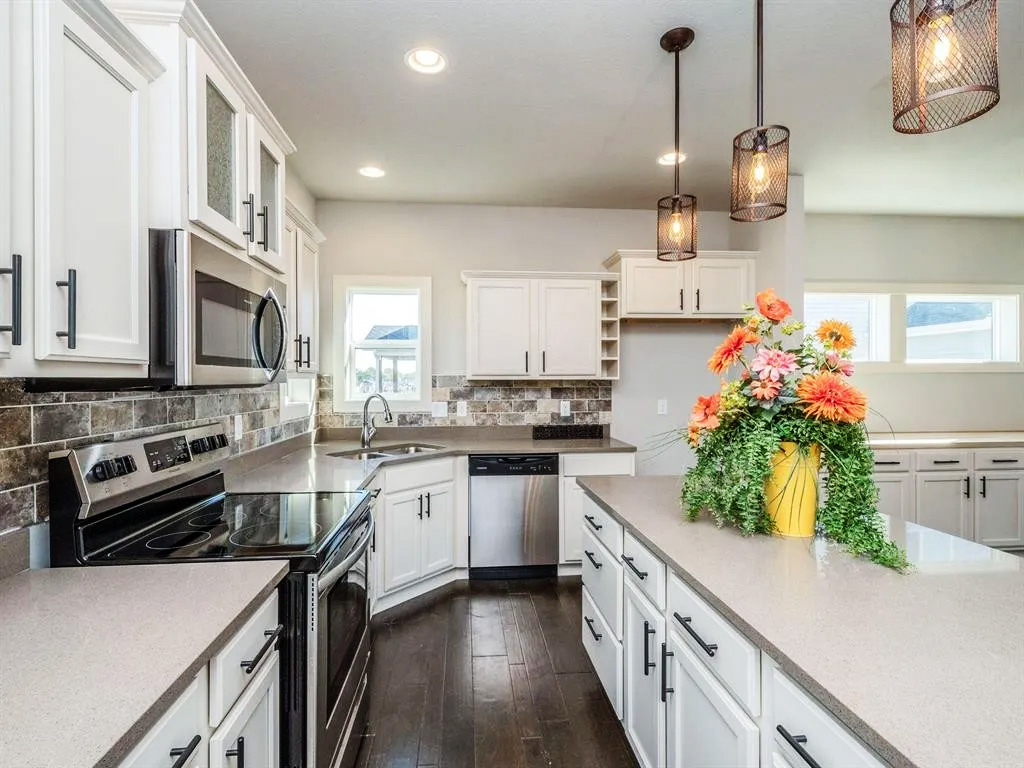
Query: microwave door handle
[[333, 574], [271, 372]]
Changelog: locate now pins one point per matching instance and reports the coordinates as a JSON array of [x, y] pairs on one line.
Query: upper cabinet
[[11, 265], [266, 193], [714, 285], [301, 252]]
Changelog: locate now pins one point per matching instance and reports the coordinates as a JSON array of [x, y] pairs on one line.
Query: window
[[867, 313], [385, 341], [945, 328]]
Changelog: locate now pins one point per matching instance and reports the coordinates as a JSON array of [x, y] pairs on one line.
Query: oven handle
[[332, 575], [269, 298]]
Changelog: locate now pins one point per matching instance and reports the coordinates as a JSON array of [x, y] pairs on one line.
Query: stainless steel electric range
[[162, 499]]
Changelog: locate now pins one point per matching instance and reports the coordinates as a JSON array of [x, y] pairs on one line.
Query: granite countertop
[[927, 667], [911, 440], [92, 657], [312, 468]]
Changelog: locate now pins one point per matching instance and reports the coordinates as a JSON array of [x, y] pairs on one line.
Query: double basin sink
[[386, 452]]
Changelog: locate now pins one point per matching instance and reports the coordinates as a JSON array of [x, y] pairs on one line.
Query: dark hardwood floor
[[490, 674]]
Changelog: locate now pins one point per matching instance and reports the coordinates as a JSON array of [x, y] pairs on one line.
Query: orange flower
[[836, 335], [705, 412], [693, 434], [730, 350], [828, 396], [772, 307]]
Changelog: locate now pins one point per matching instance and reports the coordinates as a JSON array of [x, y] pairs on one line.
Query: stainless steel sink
[[408, 449], [361, 455]]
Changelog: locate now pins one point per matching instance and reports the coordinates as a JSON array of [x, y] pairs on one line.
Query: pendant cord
[[760, 63], [676, 158]]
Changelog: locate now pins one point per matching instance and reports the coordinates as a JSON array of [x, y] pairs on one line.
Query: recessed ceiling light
[[426, 61], [372, 171], [669, 158]]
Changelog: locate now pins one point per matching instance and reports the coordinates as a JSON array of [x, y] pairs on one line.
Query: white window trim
[[897, 326], [342, 285]]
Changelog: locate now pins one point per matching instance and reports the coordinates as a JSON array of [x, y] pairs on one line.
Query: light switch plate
[[439, 410], [565, 409], [238, 426], [462, 408], [662, 407]]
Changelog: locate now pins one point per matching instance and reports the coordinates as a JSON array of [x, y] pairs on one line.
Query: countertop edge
[[123, 746], [881, 746]]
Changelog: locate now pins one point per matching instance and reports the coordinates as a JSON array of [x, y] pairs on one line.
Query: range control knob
[[108, 469]]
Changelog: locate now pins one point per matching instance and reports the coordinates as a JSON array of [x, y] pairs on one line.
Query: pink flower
[[765, 389], [773, 364], [839, 364]]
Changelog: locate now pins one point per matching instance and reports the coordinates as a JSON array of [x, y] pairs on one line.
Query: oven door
[[237, 328], [342, 651]]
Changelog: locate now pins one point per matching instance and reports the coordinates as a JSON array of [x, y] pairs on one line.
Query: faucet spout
[[369, 429]]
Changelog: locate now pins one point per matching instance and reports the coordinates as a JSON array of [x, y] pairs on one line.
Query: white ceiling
[[569, 102]]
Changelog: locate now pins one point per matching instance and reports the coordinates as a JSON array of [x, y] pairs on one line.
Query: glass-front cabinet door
[[266, 177], [218, 199]]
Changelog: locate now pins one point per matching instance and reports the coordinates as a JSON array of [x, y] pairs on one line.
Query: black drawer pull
[[629, 561], [15, 272], [420, 513], [590, 557], [984, 486], [590, 626], [184, 753], [590, 519], [271, 635], [71, 334], [941, 462], [994, 461], [428, 505], [797, 742], [709, 648], [238, 752], [888, 463], [648, 664], [665, 690]]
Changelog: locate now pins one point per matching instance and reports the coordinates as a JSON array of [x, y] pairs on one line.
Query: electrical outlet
[[439, 410], [462, 408], [238, 426], [662, 407], [565, 409]]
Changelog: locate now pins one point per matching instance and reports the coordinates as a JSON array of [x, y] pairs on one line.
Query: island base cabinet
[[706, 727], [999, 509], [249, 734], [183, 727], [643, 633], [604, 650]]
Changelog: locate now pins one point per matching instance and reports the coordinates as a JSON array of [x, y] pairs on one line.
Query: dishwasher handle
[[513, 465]]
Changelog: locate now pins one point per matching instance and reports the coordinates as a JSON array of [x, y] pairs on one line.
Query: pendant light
[[945, 70], [760, 157], [677, 214]]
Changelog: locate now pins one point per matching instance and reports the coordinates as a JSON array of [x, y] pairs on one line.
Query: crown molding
[[303, 221], [114, 31]]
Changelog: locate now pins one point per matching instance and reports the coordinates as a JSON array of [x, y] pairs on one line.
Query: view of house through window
[[945, 328], [867, 314]]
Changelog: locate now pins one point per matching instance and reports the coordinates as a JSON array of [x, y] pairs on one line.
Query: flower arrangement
[[799, 394]]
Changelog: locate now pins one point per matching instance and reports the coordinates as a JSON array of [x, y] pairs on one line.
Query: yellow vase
[[791, 492]]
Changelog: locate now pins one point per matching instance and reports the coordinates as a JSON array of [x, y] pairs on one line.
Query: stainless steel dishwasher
[[513, 516]]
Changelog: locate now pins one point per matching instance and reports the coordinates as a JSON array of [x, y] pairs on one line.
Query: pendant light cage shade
[[677, 228], [944, 63], [760, 173]]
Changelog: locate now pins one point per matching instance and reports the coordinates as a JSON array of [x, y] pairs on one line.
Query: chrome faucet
[[369, 430]]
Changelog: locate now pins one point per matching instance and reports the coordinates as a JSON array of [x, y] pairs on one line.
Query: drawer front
[[893, 461], [604, 650], [602, 576], [733, 659], [827, 741], [180, 725], [582, 464], [943, 461], [250, 734], [605, 528], [418, 474], [999, 458], [645, 571], [228, 677]]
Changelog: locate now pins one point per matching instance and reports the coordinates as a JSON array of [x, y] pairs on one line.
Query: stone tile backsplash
[[32, 425], [489, 404]]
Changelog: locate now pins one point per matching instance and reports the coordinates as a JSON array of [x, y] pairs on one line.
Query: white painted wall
[[928, 250], [297, 191]]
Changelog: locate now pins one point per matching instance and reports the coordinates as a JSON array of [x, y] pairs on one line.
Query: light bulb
[[675, 228], [940, 55], [760, 177]]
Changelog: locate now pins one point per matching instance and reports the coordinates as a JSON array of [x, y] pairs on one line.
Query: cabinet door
[[249, 733], [91, 227], [499, 329], [307, 309], [643, 633], [6, 107], [945, 502], [266, 183], [572, 521], [654, 287], [706, 727], [438, 531], [569, 327], [720, 286], [999, 509], [218, 195], [177, 729], [895, 494], [403, 515]]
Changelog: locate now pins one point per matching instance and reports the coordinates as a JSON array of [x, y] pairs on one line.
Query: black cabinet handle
[[265, 215], [887, 463], [238, 752], [797, 743], [420, 513], [15, 272], [184, 753], [590, 557], [590, 519], [271, 635], [944, 462], [71, 334], [629, 561], [428, 505], [648, 664], [527, 369], [698, 299], [307, 342], [709, 648], [543, 361], [967, 486], [665, 690], [994, 461], [984, 486], [250, 205], [681, 293], [590, 626], [298, 346]]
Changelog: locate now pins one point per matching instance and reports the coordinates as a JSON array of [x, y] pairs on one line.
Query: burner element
[[207, 520], [177, 540], [263, 535]]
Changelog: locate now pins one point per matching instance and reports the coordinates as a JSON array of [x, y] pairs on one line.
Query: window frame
[[898, 293], [343, 285]]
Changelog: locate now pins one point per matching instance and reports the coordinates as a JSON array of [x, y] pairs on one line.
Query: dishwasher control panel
[[530, 464]]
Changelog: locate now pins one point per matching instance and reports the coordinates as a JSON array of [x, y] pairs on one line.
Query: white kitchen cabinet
[[720, 287], [266, 184], [8, 261], [437, 538], [706, 728], [653, 287], [944, 501], [500, 327], [181, 730], [403, 513], [250, 733], [604, 650], [571, 549], [895, 494], [999, 508], [569, 327], [643, 632], [91, 247], [301, 245], [573, 498]]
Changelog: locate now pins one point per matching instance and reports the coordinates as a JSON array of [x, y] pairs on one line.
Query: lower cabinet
[[571, 498], [895, 494], [944, 502], [183, 731], [419, 534], [643, 633], [250, 734], [999, 509]]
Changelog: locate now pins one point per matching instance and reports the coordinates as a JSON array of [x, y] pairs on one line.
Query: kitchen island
[[926, 668]]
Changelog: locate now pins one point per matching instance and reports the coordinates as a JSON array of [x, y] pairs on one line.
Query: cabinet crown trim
[[528, 275], [612, 261], [112, 29], [303, 221]]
